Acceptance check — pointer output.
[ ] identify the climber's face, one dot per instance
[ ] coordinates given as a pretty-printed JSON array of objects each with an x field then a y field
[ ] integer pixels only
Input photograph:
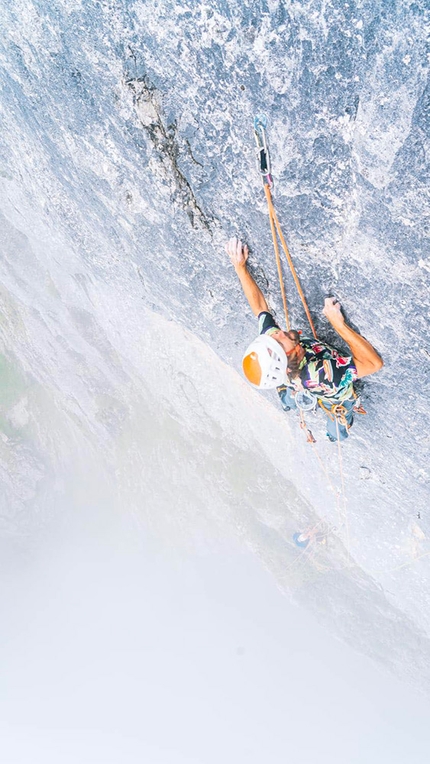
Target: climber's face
[{"x": 284, "y": 340}]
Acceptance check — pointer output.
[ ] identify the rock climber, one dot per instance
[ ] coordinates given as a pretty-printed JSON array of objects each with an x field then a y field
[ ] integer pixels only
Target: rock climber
[{"x": 304, "y": 371}]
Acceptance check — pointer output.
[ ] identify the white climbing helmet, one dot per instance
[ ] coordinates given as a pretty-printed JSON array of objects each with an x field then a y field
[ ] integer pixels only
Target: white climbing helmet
[{"x": 265, "y": 363}]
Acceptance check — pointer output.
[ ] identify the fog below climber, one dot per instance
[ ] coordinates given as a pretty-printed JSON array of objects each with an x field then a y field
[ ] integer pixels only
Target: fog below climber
[{"x": 305, "y": 372}]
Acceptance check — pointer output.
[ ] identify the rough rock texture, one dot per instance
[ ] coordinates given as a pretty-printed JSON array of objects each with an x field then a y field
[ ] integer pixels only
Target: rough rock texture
[{"x": 127, "y": 159}]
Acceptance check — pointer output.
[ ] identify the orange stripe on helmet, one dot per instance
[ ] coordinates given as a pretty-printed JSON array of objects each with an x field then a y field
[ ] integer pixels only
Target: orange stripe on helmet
[{"x": 252, "y": 369}]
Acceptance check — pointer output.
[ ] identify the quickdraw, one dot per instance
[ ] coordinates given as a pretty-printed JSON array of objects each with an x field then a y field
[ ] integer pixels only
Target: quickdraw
[
  {"x": 358, "y": 408},
  {"x": 309, "y": 434},
  {"x": 260, "y": 124}
]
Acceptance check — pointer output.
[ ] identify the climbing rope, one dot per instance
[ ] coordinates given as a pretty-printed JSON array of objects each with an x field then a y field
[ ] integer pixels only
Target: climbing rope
[
  {"x": 276, "y": 228},
  {"x": 278, "y": 264},
  {"x": 337, "y": 412}
]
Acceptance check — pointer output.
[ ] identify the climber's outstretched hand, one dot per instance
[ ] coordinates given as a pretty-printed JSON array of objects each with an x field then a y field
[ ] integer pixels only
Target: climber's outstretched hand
[{"x": 237, "y": 252}]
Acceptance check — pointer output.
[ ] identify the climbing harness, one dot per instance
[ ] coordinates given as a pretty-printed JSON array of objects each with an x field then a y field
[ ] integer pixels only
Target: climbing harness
[{"x": 336, "y": 412}]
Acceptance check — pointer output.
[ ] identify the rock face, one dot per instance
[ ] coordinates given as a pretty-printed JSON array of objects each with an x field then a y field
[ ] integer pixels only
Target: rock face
[{"x": 127, "y": 159}]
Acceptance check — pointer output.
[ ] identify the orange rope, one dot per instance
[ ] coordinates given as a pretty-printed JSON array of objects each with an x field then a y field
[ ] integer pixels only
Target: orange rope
[
  {"x": 274, "y": 222},
  {"x": 275, "y": 227},
  {"x": 278, "y": 263}
]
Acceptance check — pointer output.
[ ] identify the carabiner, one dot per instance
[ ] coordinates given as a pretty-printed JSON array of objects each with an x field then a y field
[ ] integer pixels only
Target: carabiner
[{"x": 260, "y": 123}]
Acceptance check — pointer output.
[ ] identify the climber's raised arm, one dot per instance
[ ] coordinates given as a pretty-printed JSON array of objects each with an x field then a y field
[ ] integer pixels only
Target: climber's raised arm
[
  {"x": 238, "y": 254},
  {"x": 365, "y": 358}
]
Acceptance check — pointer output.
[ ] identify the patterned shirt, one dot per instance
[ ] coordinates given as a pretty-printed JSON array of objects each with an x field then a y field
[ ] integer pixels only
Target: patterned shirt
[{"x": 323, "y": 371}]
